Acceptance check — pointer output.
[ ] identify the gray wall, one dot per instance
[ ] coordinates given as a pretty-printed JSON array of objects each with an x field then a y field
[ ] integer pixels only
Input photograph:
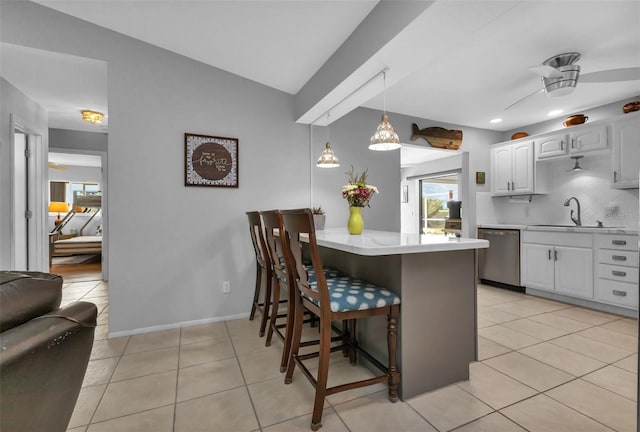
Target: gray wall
[
  {"x": 171, "y": 246},
  {"x": 77, "y": 140}
]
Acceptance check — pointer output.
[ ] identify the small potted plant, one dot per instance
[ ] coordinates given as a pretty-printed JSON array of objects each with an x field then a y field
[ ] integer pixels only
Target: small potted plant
[{"x": 319, "y": 217}]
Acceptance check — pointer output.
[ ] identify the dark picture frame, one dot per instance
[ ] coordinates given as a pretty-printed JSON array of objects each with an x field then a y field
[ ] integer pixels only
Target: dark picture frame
[
  {"x": 480, "y": 177},
  {"x": 210, "y": 161}
]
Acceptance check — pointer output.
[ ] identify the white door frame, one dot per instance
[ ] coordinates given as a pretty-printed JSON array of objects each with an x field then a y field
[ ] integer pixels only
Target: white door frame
[{"x": 38, "y": 197}]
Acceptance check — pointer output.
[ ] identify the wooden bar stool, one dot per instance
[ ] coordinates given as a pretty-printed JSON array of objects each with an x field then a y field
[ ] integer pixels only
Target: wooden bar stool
[
  {"x": 334, "y": 299},
  {"x": 263, "y": 269},
  {"x": 272, "y": 221}
]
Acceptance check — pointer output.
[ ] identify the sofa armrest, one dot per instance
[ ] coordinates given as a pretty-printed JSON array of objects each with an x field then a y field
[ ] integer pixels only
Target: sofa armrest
[{"x": 42, "y": 366}]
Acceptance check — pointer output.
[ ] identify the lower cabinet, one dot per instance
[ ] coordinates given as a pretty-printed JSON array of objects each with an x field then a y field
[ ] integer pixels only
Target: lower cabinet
[
  {"x": 553, "y": 267},
  {"x": 618, "y": 270}
]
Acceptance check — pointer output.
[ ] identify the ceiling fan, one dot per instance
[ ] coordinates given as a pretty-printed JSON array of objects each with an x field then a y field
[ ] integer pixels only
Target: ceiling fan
[{"x": 560, "y": 75}]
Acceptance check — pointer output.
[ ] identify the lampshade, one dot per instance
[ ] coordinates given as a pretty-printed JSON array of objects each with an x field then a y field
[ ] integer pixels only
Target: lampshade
[
  {"x": 327, "y": 159},
  {"x": 58, "y": 207},
  {"x": 92, "y": 117},
  {"x": 385, "y": 137}
]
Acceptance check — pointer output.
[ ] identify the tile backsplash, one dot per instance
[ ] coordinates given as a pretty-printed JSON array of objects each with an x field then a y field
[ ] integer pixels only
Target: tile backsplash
[{"x": 592, "y": 187}]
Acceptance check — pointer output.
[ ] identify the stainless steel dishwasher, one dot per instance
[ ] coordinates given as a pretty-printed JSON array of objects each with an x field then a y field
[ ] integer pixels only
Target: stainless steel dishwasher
[{"x": 499, "y": 264}]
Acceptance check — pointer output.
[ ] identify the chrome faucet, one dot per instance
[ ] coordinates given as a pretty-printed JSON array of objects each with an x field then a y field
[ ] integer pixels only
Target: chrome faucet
[{"x": 575, "y": 220}]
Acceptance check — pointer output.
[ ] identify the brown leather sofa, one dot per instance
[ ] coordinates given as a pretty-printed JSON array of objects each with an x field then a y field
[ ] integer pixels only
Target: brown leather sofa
[{"x": 44, "y": 352}]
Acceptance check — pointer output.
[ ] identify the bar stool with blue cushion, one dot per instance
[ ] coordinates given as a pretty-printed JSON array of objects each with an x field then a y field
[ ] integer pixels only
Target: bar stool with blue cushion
[
  {"x": 272, "y": 221},
  {"x": 334, "y": 299},
  {"x": 263, "y": 270}
]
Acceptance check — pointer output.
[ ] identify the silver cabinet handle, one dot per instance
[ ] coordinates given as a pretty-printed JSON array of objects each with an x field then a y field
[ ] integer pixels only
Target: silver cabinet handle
[
  {"x": 508, "y": 186},
  {"x": 562, "y": 145},
  {"x": 618, "y": 273},
  {"x": 549, "y": 254},
  {"x": 615, "y": 177},
  {"x": 619, "y": 258},
  {"x": 620, "y": 293},
  {"x": 619, "y": 242},
  {"x": 513, "y": 186},
  {"x": 555, "y": 255},
  {"x": 573, "y": 143}
]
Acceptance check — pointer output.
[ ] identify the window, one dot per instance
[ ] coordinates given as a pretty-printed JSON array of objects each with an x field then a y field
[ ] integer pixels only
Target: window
[
  {"x": 434, "y": 194},
  {"x": 63, "y": 191}
]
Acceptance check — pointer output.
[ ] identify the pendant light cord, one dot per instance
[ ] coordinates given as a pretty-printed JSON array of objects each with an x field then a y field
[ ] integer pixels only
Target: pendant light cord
[{"x": 384, "y": 92}]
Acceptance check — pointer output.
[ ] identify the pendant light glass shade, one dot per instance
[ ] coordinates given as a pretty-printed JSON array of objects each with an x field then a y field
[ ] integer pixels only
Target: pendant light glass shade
[
  {"x": 385, "y": 137},
  {"x": 328, "y": 159}
]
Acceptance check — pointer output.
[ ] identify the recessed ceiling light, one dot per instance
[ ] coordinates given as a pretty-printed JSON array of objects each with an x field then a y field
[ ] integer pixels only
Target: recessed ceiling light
[
  {"x": 554, "y": 112},
  {"x": 495, "y": 120}
]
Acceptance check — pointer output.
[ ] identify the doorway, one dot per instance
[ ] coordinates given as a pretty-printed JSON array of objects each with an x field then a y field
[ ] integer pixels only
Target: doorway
[{"x": 435, "y": 192}]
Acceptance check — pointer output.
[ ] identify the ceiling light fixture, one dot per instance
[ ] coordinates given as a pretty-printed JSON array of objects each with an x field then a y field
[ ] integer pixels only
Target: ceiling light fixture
[
  {"x": 92, "y": 117},
  {"x": 554, "y": 113},
  {"x": 385, "y": 138},
  {"x": 328, "y": 158},
  {"x": 495, "y": 120}
]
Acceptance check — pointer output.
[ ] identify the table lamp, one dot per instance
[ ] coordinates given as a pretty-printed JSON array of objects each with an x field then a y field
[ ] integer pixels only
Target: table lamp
[{"x": 58, "y": 207}]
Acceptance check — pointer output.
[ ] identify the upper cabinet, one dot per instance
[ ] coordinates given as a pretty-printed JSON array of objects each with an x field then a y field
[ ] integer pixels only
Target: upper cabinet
[
  {"x": 513, "y": 169},
  {"x": 626, "y": 152},
  {"x": 576, "y": 140}
]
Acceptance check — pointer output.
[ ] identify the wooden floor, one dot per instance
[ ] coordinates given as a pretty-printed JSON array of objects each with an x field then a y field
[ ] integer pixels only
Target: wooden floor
[{"x": 78, "y": 272}]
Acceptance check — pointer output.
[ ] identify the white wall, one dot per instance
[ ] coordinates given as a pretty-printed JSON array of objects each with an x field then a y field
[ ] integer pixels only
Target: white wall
[{"x": 34, "y": 116}]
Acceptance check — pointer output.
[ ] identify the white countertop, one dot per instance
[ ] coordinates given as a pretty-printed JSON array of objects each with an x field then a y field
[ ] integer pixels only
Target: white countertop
[
  {"x": 373, "y": 243},
  {"x": 579, "y": 229}
]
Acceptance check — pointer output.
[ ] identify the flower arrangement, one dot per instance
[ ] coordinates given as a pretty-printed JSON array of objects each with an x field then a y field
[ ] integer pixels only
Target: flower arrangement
[{"x": 357, "y": 192}]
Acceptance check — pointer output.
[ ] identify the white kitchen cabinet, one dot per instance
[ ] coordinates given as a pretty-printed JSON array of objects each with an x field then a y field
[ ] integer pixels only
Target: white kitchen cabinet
[
  {"x": 577, "y": 140},
  {"x": 626, "y": 152},
  {"x": 558, "y": 262},
  {"x": 513, "y": 169},
  {"x": 617, "y": 270}
]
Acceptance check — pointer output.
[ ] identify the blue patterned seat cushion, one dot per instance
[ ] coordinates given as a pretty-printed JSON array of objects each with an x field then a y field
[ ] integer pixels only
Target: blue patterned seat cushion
[
  {"x": 328, "y": 272},
  {"x": 348, "y": 294}
]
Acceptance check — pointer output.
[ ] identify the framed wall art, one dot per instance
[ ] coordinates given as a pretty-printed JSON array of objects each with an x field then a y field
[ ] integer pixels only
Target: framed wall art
[{"x": 210, "y": 161}]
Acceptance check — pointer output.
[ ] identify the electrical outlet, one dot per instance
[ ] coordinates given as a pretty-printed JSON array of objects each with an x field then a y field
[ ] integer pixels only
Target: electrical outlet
[
  {"x": 226, "y": 287},
  {"x": 611, "y": 211}
]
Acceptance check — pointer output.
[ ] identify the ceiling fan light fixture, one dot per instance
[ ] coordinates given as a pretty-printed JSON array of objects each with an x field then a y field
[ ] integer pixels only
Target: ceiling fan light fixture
[
  {"x": 92, "y": 117},
  {"x": 554, "y": 112}
]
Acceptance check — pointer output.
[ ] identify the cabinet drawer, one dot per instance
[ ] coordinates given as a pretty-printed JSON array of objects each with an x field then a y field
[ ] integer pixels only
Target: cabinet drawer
[
  {"x": 619, "y": 293},
  {"x": 558, "y": 238},
  {"x": 618, "y": 257},
  {"x": 617, "y": 241},
  {"x": 618, "y": 273}
]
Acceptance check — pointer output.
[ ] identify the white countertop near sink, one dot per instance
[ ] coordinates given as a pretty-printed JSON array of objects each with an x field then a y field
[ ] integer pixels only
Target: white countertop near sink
[{"x": 604, "y": 230}]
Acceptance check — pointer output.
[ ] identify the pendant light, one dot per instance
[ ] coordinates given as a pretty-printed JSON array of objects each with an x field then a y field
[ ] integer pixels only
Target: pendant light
[
  {"x": 385, "y": 138},
  {"x": 327, "y": 159},
  {"x": 577, "y": 166}
]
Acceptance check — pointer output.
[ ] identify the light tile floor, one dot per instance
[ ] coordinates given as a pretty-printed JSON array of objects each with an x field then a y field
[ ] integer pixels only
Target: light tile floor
[{"x": 544, "y": 366}]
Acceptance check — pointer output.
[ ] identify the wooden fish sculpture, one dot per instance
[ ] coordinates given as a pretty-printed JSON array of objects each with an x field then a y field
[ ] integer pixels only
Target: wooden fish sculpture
[{"x": 438, "y": 137}]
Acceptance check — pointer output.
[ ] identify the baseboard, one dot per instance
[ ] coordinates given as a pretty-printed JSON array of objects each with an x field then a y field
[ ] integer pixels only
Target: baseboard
[{"x": 172, "y": 326}]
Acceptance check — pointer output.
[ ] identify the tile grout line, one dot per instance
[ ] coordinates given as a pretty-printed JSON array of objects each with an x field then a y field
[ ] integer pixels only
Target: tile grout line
[{"x": 244, "y": 378}]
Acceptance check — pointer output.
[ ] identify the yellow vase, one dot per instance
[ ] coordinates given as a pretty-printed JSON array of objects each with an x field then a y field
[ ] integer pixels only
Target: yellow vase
[{"x": 355, "y": 223}]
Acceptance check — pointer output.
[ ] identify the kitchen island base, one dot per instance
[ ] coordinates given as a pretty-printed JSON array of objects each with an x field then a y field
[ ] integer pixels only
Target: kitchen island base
[{"x": 437, "y": 330}]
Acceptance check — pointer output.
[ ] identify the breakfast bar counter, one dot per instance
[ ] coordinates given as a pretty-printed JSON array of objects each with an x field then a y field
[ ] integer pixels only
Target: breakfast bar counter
[{"x": 435, "y": 277}]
